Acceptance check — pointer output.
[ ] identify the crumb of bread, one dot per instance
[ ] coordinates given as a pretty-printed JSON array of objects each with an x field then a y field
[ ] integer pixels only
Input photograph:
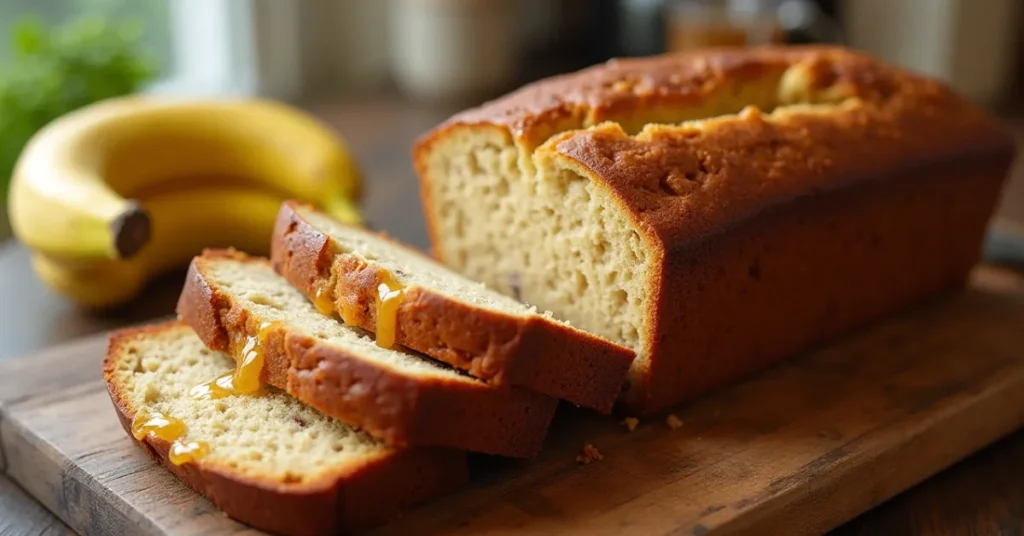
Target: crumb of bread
[
  {"x": 673, "y": 422},
  {"x": 630, "y": 423},
  {"x": 588, "y": 454}
]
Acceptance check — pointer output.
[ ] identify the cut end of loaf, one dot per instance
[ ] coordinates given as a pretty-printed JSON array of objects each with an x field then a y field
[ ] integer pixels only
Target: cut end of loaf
[{"x": 554, "y": 238}]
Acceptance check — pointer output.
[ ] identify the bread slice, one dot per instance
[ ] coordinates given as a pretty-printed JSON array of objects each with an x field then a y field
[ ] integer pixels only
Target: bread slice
[
  {"x": 395, "y": 394},
  {"x": 271, "y": 461},
  {"x": 443, "y": 314}
]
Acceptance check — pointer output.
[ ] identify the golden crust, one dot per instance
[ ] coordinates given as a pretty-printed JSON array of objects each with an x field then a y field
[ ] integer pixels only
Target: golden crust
[
  {"x": 355, "y": 497},
  {"x": 619, "y": 88}
]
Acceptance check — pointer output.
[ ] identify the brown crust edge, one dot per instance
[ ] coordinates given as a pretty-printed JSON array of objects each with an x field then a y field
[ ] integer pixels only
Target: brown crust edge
[
  {"x": 532, "y": 352},
  {"x": 866, "y": 214},
  {"x": 399, "y": 408},
  {"x": 354, "y": 499}
]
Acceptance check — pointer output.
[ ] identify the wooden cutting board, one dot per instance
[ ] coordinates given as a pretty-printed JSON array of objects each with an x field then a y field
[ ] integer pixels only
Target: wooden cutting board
[{"x": 797, "y": 450}]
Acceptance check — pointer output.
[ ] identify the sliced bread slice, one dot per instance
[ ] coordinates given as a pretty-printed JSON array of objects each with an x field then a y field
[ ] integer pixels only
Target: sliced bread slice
[
  {"x": 443, "y": 314},
  {"x": 238, "y": 304},
  {"x": 269, "y": 460}
]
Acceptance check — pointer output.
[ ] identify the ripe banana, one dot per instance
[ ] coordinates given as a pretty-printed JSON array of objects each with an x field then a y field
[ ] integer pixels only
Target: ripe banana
[
  {"x": 183, "y": 224},
  {"x": 75, "y": 190}
]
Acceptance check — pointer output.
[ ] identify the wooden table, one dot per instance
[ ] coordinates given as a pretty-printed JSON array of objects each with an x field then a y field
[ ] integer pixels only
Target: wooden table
[{"x": 981, "y": 495}]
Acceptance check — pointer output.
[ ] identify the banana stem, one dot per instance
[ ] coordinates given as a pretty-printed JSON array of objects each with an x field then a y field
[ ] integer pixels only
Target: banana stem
[{"x": 131, "y": 230}]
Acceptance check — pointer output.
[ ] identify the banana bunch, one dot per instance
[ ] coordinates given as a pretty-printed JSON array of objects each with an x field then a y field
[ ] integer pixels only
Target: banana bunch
[{"x": 119, "y": 192}]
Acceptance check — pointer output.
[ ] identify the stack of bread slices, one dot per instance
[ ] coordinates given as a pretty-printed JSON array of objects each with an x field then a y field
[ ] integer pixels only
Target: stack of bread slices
[{"x": 342, "y": 380}]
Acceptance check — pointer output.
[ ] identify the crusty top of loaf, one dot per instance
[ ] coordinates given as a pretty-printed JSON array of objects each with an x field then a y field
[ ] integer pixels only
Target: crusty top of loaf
[
  {"x": 673, "y": 139},
  {"x": 618, "y": 88}
]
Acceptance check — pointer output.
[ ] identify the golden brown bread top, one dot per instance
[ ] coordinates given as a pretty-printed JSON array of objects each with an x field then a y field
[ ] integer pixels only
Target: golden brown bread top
[
  {"x": 621, "y": 88},
  {"x": 785, "y": 122}
]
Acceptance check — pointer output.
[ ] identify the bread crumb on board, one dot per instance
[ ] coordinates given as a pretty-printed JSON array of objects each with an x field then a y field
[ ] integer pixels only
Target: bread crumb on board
[
  {"x": 630, "y": 423},
  {"x": 588, "y": 454},
  {"x": 673, "y": 422}
]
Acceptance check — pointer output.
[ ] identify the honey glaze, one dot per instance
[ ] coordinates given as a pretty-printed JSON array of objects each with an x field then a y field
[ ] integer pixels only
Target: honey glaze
[
  {"x": 323, "y": 301},
  {"x": 181, "y": 452},
  {"x": 390, "y": 294},
  {"x": 245, "y": 379},
  {"x": 155, "y": 424}
]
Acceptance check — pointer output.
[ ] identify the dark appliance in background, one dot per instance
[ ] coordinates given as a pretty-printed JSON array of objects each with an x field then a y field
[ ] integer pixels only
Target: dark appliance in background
[{"x": 587, "y": 32}]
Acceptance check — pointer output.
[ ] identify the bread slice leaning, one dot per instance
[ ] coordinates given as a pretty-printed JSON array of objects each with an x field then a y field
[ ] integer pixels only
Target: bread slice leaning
[
  {"x": 399, "y": 396},
  {"x": 272, "y": 462},
  {"x": 443, "y": 314}
]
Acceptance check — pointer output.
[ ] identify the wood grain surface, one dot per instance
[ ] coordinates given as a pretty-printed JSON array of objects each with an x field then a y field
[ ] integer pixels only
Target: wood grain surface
[
  {"x": 798, "y": 450},
  {"x": 982, "y": 495},
  {"x": 21, "y": 515}
]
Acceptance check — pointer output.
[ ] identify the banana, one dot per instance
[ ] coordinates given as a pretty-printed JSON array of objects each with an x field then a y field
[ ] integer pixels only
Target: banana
[
  {"x": 183, "y": 224},
  {"x": 75, "y": 190}
]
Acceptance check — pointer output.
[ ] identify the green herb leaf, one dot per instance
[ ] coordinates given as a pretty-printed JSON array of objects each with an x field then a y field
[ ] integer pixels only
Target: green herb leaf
[
  {"x": 59, "y": 70},
  {"x": 28, "y": 36}
]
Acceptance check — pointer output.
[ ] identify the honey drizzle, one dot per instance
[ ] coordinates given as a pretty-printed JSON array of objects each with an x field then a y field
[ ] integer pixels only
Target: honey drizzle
[
  {"x": 245, "y": 379},
  {"x": 181, "y": 452},
  {"x": 155, "y": 424},
  {"x": 323, "y": 301},
  {"x": 390, "y": 294}
]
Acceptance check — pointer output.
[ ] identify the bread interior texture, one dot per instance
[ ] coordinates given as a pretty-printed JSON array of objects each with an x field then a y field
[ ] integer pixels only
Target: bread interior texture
[
  {"x": 533, "y": 227},
  {"x": 271, "y": 438},
  {"x": 268, "y": 296},
  {"x": 409, "y": 267}
]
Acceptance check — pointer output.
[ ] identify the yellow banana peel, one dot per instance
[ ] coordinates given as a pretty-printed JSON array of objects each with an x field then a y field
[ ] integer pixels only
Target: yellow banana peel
[
  {"x": 75, "y": 192},
  {"x": 183, "y": 224}
]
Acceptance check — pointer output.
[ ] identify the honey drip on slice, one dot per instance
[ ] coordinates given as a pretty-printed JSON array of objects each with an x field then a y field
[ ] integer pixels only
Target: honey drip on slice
[
  {"x": 323, "y": 302},
  {"x": 390, "y": 294},
  {"x": 181, "y": 452},
  {"x": 245, "y": 379},
  {"x": 155, "y": 424},
  {"x": 220, "y": 387}
]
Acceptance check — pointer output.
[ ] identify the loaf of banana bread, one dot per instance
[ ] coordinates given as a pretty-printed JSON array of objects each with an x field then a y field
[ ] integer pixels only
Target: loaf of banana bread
[{"x": 719, "y": 210}]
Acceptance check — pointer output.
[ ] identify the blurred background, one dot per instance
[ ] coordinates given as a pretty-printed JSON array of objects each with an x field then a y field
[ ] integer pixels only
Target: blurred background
[
  {"x": 415, "y": 61},
  {"x": 382, "y": 72},
  {"x": 298, "y": 49},
  {"x": 438, "y": 56}
]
